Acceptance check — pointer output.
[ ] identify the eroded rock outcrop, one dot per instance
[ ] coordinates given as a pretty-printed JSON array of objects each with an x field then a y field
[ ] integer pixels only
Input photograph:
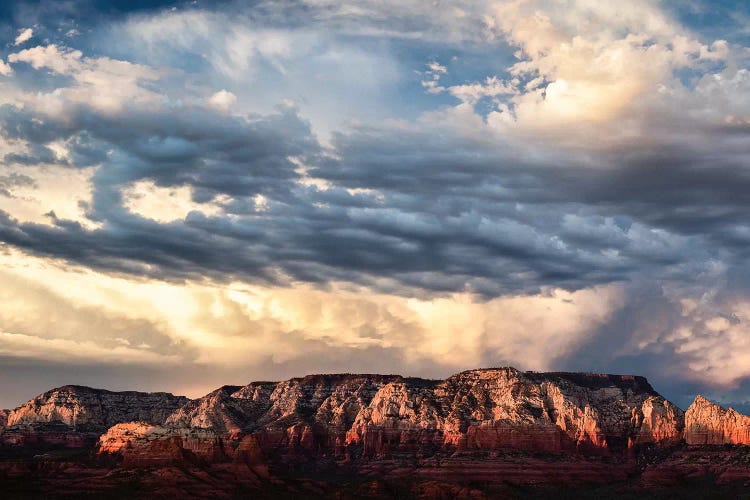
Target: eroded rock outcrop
[
  {"x": 707, "y": 423},
  {"x": 386, "y": 435},
  {"x": 77, "y": 406},
  {"x": 74, "y": 415},
  {"x": 363, "y": 417}
]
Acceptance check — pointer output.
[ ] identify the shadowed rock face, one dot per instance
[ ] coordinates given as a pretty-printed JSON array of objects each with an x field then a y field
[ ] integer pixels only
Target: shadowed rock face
[
  {"x": 707, "y": 423},
  {"x": 370, "y": 416}
]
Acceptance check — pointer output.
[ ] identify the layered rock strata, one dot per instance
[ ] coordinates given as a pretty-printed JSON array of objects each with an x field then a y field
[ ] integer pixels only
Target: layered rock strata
[
  {"x": 83, "y": 406},
  {"x": 707, "y": 423},
  {"x": 362, "y": 417},
  {"x": 309, "y": 436},
  {"x": 73, "y": 415}
]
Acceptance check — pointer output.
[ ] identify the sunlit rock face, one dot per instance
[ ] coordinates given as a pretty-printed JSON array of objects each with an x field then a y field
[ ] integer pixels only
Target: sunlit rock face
[
  {"x": 142, "y": 444},
  {"x": 492, "y": 427},
  {"x": 74, "y": 415},
  {"x": 360, "y": 417},
  {"x": 507, "y": 409},
  {"x": 78, "y": 406},
  {"x": 709, "y": 423}
]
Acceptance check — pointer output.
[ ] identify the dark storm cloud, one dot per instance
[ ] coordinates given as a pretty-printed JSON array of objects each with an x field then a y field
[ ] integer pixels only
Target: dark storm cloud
[
  {"x": 666, "y": 185},
  {"x": 429, "y": 209},
  {"x": 611, "y": 348},
  {"x": 31, "y": 11},
  {"x": 215, "y": 154}
]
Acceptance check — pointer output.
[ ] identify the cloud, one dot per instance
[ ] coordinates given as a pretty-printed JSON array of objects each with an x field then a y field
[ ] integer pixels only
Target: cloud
[
  {"x": 265, "y": 57},
  {"x": 58, "y": 314},
  {"x": 231, "y": 48},
  {"x": 376, "y": 220},
  {"x": 604, "y": 69},
  {"x": 38, "y": 323},
  {"x": 105, "y": 84},
  {"x": 164, "y": 204},
  {"x": 8, "y": 183},
  {"x": 33, "y": 193},
  {"x": 473, "y": 92},
  {"x": 62, "y": 61},
  {"x": 564, "y": 184},
  {"x": 686, "y": 338},
  {"x": 23, "y": 36},
  {"x": 222, "y": 100}
]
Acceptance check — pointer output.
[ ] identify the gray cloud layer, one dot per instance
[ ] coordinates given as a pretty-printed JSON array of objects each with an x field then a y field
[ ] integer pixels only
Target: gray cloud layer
[{"x": 442, "y": 213}]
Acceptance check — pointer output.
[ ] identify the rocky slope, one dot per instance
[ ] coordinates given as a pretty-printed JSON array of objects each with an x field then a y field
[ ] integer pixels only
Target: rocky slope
[{"x": 707, "y": 423}]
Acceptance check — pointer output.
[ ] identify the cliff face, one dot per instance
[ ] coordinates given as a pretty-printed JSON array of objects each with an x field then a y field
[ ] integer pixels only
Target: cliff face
[
  {"x": 72, "y": 415},
  {"x": 371, "y": 416},
  {"x": 492, "y": 427},
  {"x": 96, "y": 408},
  {"x": 707, "y": 423}
]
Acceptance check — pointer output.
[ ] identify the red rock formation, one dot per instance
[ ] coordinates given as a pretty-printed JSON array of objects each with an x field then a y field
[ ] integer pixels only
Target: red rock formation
[
  {"x": 508, "y": 409},
  {"x": 375, "y": 416},
  {"x": 78, "y": 406},
  {"x": 707, "y": 423},
  {"x": 75, "y": 416},
  {"x": 386, "y": 435},
  {"x": 143, "y": 444}
]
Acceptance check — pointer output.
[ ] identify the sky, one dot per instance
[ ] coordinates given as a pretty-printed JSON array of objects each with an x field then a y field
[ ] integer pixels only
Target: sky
[{"x": 201, "y": 193}]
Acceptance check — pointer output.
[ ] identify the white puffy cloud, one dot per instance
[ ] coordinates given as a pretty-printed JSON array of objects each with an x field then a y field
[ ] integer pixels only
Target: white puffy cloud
[
  {"x": 59, "y": 60},
  {"x": 5, "y": 68},
  {"x": 105, "y": 84},
  {"x": 473, "y": 92},
  {"x": 587, "y": 75},
  {"x": 23, "y": 36},
  {"x": 607, "y": 69}
]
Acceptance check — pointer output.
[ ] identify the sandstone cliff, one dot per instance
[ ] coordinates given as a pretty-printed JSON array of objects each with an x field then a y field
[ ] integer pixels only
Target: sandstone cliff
[
  {"x": 707, "y": 423},
  {"x": 504, "y": 432},
  {"x": 72, "y": 415},
  {"x": 350, "y": 417},
  {"x": 84, "y": 406}
]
